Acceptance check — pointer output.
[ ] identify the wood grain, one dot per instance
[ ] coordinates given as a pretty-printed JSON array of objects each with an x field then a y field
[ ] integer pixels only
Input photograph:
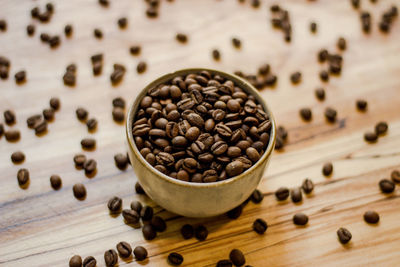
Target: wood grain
[{"x": 42, "y": 227}]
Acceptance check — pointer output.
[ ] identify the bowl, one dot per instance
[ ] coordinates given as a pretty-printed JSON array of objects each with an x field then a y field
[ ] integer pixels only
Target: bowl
[{"x": 197, "y": 199}]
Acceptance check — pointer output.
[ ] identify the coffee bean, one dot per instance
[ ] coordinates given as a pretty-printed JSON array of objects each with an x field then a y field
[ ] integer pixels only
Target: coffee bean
[
  {"x": 32, "y": 120},
  {"x": 118, "y": 74},
  {"x": 146, "y": 213},
  {"x": 23, "y": 176},
  {"x": 253, "y": 154},
  {"x": 260, "y": 226},
  {"x": 361, "y": 104},
  {"x": 344, "y": 235},
  {"x": 327, "y": 169},
  {"x": 139, "y": 189},
  {"x": 386, "y": 186},
  {"x": 181, "y": 37},
  {"x": 12, "y": 135},
  {"x": 175, "y": 259},
  {"x": 124, "y": 249},
  {"x": 90, "y": 166},
  {"x": 282, "y": 193},
  {"x": 91, "y": 124},
  {"x": 370, "y": 137},
  {"x": 355, "y": 3},
  {"x": 140, "y": 253},
  {"x": 187, "y": 231},
  {"x": 89, "y": 262},
  {"x": 341, "y": 43},
  {"x": 330, "y": 114},
  {"x": 313, "y": 27},
  {"x": 98, "y": 33},
  {"x": 216, "y": 54},
  {"x": 324, "y": 76},
  {"x": 296, "y": 195},
  {"x": 307, "y": 186},
  {"x": 300, "y": 219},
  {"x": 40, "y": 127},
  {"x": 55, "y": 103},
  {"x": 48, "y": 114},
  {"x": 55, "y": 181},
  {"x": 395, "y": 175},
  {"x": 130, "y": 216},
  {"x": 110, "y": 257},
  {"x": 236, "y": 42},
  {"x": 306, "y": 114},
  {"x": 224, "y": 263},
  {"x": 366, "y": 21},
  {"x": 237, "y": 257},
  {"x": 121, "y": 161},
  {"x": 234, "y": 168},
  {"x": 371, "y": 217},
  {"x": 88, "y": 143},
  {"x": 104, "y": 3},
  {"x": 141, "y": 67},
  {"x": 30, "y": 30},
  {"x": 114, "y": 204},
  {"x": 68, "y": 30},
  {"x": 75, "y": 261},
  {"x": 320, "y": 94},
  {"x": 295, "y": 77},
  {"x": 69, "y": 78},
  {"x": 118, "y": 102},
  {"x": 158, "y": 223},
  {"x": 149, "y": 233},
  {"x": 201, "y": 233},
  {"x": 54, "y": 41},
  {"x": 381, "y": 128},
  {"x": 257, "y": 196},
  {"x": 9, "y": 117},
  {"x": 135, "y": 50},
  {"x": 79, "y": 160},
  {"x": 136, "y": 206},
  {"x": 122, "y": 23},
  {"x": 17, "y": 157},
  {"x": 79, "y": 191},
  {"x": 81, "y": 114}
]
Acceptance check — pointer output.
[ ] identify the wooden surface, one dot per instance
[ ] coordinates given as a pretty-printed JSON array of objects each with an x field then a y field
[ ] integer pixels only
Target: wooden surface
[{"x": 43, "y": 227}]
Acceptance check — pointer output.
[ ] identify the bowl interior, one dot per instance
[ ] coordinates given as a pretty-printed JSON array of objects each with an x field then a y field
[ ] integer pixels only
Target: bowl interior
[{"x": 240, "y": 83}]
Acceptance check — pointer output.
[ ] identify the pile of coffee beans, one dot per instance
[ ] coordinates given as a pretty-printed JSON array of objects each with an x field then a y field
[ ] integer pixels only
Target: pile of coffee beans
[{"x": 200, "y": 128}]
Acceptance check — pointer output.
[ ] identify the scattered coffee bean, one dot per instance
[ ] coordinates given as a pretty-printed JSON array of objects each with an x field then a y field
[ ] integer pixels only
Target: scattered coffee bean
[
  {"x": 370, "y": 137},
  {"x": 307, "y": 186},
  {"x": 122, "y": 23},
  {"x": 366, "y": 21},
  {"x": 187, "y": 231},
  {"x": 121, "y": 161},
  {"x": 88, "y": 143},
  {"x": 327, "y": 169},
  {"x": 224, "y": 263},
  {"x": 23, "y": 176},
  {"x": 300, "y": 219},
  {"x": 91, "y": 124},
  {"x": 114, "y": 204},
  {"x": 55, "y": 181},
  {"x": 236, "y": 42},
  {"x": 282, "y": 193},
  {"x": 323, "y": 55},
  {"x": 313, "y": 27},
  {"x": 30, "y": 30},
  {"x": 136, "y": 206},
  {"x": 158, "y": 223},
  {"x": 175, "y": 259},
  {"x": 257, "y": 196},
  {"x": 141, "y": 67},
  {"x": 68, "y": 30},
  {"x": 118, "y": 102},
  {"x": 54, "y": 41},
  {"x": 386, "y": 186},
  {"x": 140, "y": 253},
  {"x": 118, "y": 114},
  {"x": 371, "y": 217},
  {"x": 139, "y": 189},
  {"x": 20, "y": 76},
  {"x": 216, "y": 54},
  {"x": 130, "y": 216},
  {"x": 235, "y": 212},
  {"x": 104, "y": 3},
  {"x": 296, "y": 195},
  {"x": 81, "y": 114},
  {"x": 32, "y": 120},
  {"x": 201, "y": 233},
  {"x": 3, "y": 25},
  {"x": 320, "y": 94},
  {"x": 149, "y": 233},
  {"x": 330, "y": 114},
  {"x": 295, "y": 77},
  {"x": 89, "y": 262},
  {"x": 306, "y": 114},
  {"x": 152, "y": 12},
  {"x": 17, "y": 157},
  {"x": 135, "y": 50},
  {"x": 395, "y": 175},
  {"x": 90, "y": 166},
  {"x": 361, "y": 104},
  {"x": 381, "y": 128},
  {"x": 75, "y": 261},
  {"x": 79, "y": 160},
  {"x": 98, "y": 33},
  {"x": 40, "y": 127},
  {"x": 146, "y": 213},
  {"x": 344, "y": 235},
  {"x": 12, "y": 135},
  {"x": 341, "y": 43},
  {"x": 237, "y": 257},
  {"x": 355, "y": 3},
  {"x": 260, "y": 226},
  {"x": 181, "y": 37},
  {"x": 324, "y": 76},
  {"x": 55, "y": 103},
  {"x": 9, "y": 117},
  {"x": 124, "y": 249},
  {"x": 255, "y": 3},
  {"x": 79, "y": 191},
  {"x": 48, "y": 114},
  {"x": 111, "y": 258}
]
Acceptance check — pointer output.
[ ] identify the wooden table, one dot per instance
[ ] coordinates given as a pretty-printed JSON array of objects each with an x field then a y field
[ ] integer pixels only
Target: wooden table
[{"x": 43, "y": 227}]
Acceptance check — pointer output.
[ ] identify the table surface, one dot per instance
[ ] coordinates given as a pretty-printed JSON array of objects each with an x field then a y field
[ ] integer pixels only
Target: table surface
[{"x": 43, "y": 227}]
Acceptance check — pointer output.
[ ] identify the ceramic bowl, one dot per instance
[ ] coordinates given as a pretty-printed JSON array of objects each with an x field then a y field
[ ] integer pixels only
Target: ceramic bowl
[{"x": 197, "y": 199}]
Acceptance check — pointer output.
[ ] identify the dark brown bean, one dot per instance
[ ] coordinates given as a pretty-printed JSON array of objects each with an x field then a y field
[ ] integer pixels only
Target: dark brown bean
[
  {"x": 237, "y": 257},
  {"x": 23, "y": 176},
  {"x": 386, "y": 186},
  {"x": 17, "y": 157},
  {"x": 381, "y": 128},
  {"x": 110, "y": 258},
  {"x": 296, "y": 195},
  {"x": 175, "y": 259},
  {"x": 371, "y": 217},
  {"x": 344, "y": 235},
  {"x": 79, "y": 191},
  {"x": 282, "y": 193},
  {"x": 114, "y": 204},
  {"x": 307, "y": 186},
  {"x": 55, "y": 181},
  {"x": 130, "y": 216},
  {"x": 124, "y": 249},
  {"x": 327, "y": 169},
  {"x": 260, "y": 226},
  {"x": 148, "y": 231},
  {"x": 300, "y": 219},
  {"x": 75, "y": 261},
  {"x": 88, "y": 143},
  {"x": 395, "y": 175},
  {"x": 140, "y": 253},
  {"x": 201, "y": 233}
]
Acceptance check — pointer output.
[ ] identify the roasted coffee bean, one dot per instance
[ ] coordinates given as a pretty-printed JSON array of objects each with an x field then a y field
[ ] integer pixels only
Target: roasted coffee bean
[
  {"x": 341, "y": 43},
  {"x": 236, "y": 42},
  {"x": 330, "y": 114},
  {"x": 124, "y": 249},
  {"x": 381, "y": 128},
  {"x": 130, "y": 216},
  {"x": 9, "y": 117},
  {"x": 136, "y": 206},
  {"x": 12, "y": 135},
  {"x": 296, "y": 195},
  {"x": 371, "y": 217},
  {"x": 146, "y": 213},
  {"x": 307, "y": 186},
  {"x": 48, "y": 114},
  {"x": 69, "y": 78},
  {"x": 370, "y": 137},
  {"x": 135, "y": 50},
  {"x": 361, "y": 104},
  {"x": 306, "y": 114},
  {"x": 79, "y": 160},
  {"x": 32, "y": 120},
  {"x": 89, "y": 262},
  {"x": 118, "y": 102},
  {"x": 54, "y": 41},
  {"x": 30, "y": 30},
  {"x": 395, "y": 175},
  {"x": 320, "y": 94},
  {"x": 20, "y": 76},
  {"x": 300, "y": 219},
  {"x": 111, "y": 258},
  {"x": 88, "y": 143},
  {"x": 344, "y": 235},
  {"x": 253, "y": 154},
  {"x": 81, "y": 114},
  {"x": 118, "y": 74},
  {"x": 234, "y": 168},
  {"x": 104, "y": 3},
  {"x": 139, "y": 189},
  {"x": 295, "y": 77},
  {"x": 187, "y": 231},
  {"x": 181, "y": 37},
  {"x": 201, "y": 233},
  {"x": 23, "y": 176},
  {"x": 90, "y": 166},
  {"x": 55, "y": 103},
  {"x": 313, "y": 27},
  {"x": 327, "y": 169},
  {"x": 282, "y": 193},
  {"x": 140, "y": 253},
  {"x": 55, "y": 181},
  {"x": 141, "y": 67},
  {"x": 75, "y": 261},
  {"x": 98, "y": 33},
  {"x": 40, "y": 127},
  {"x": 118, "y": 114},
  {"x": 235, "y": 212},
  {"x": 68, "y": 30},
  {"x": 17, "y": 157},
  {"x": 260, "y": 226},
  {"x": 121, "y": 161},
  {"x": 237, "y": 257},
  {"x": 114, "y": 204},
  {"x": 386, "y": 186},
  {"x": 91, "y": 124},
  {"x": 122, "y": 22},
  {"x": 148, "y": 231},
  {"x": 175, "y": 259},
  {"x": 355, "y": 3},
  {"x": 79, "y": 191},
  {"x": 224, "y": 263},
  {"x": 216, "y": 54},
  {"x": 257, "y": 196},
  {"x": 158, "y": 223},
  {"x": 324, "y": 76}
]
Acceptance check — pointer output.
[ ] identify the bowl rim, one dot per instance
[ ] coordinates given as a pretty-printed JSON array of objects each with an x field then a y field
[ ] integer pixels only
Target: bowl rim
[{"x": 240, "y": 82}]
